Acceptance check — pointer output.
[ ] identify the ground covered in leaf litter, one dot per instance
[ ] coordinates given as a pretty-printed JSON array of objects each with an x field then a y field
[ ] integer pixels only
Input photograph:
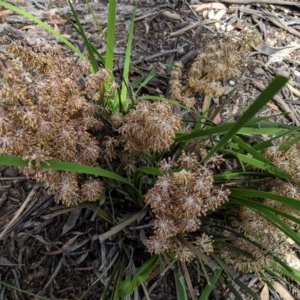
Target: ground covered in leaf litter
[{"x": 55, "y": 251}]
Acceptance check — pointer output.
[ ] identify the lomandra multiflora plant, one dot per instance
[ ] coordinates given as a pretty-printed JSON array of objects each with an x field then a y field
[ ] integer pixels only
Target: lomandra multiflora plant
[{"x": 48, "y": 112}]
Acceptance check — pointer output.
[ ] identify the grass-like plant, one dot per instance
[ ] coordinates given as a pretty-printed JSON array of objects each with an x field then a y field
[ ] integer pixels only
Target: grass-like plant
[{"x": 182, "y": 191}]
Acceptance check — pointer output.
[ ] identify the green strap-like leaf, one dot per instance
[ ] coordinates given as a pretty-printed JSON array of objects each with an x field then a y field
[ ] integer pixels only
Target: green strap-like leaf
[
  {"x": 248, "y": 193},
  {"x": 14, "y": 287},
  {"x": 209, "y": 287},
  {"x": 128, "y": 286},
  {"x": 110, "y": 38},
  {"x": 272, "y": 89},
  {"x": 268, "y": 213},
  {"x": 87, "y": 43},
  {"x": 16, "y": 161},
  {"x": 261, "y": 165},
  {"x": 259, "y": 206},
  {"x": 180, "y": 285},
  {"x": 125, "y": 79}
]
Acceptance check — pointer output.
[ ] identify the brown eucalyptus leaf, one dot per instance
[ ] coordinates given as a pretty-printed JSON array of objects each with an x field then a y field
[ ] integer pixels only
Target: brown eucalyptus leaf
[
  {"x": 282, "y": 291},
  {"x": 4, "y": 15},
  {"x": 207, "y": 6},
  {"x": 264, "y": 294},
  {"x": 5, "y": 262},
  {"x": 72, "y": 220},
  {"x": 276, "y": 54},
  {"x": 171, "y": 15}
]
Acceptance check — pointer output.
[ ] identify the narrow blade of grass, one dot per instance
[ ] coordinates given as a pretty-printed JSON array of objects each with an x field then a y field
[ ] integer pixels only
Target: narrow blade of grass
[
  {"x": 249, "y": 149},
  {"x": 287, "y": 270},
  {"x": 111, "y": 32},
  {"x": 260, "y": 206},
  {"x": 141, "y": 83},
  {"x": 248, "y": 193},
  {"x": 246, "y": 131},
  {"x": 268, "y": 213},
  {"x": 114, "y": 279},
  {"x": 122, "y": 224},
  {"x": 87, "y": 43},
  {"x": 261, "y": 165},
  {"x": 234, "y": 281},
  {"x": 125, "y": 82},
  {"x": 268, "y": 143},
  {"x": 13, "y": 287},
  {"x": 180, "y": 285},
  {"x": 16, "y": 161},
  {"x": 239, "y": 176},
  {"x": 210, "y": 286},
  {"x": 289, "y": 143},
  {"x": 148, "y": 170},
  {"x": 128, "y": 286}
]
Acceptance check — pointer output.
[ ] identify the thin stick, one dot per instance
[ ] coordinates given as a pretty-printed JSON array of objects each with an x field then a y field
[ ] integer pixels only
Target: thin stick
[
  {"x": 23, "y": 207},
  {"x": 280, "y": 102},
  {"x": 278, "y": 2}
]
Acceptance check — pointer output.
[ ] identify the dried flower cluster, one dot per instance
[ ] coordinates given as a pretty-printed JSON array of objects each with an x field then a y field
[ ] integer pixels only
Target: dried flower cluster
[
  {"x": 178, "y": 91},
  {"x": 264, "y": 242},
  {"x": 217, "y": 61},
  {"x": 257, "y": 229},
  {"x": 289, "y": 161},
  {"x": 149, "y": 127},
  {"x": 46, "y": 114},
  {"x": 184, "y": 192}
]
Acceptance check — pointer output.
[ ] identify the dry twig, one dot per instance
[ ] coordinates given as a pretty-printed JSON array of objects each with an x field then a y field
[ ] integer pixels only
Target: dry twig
[
  {"x": 289, "y": 29},
  {"x": 280, "y": 102},
  {"x": 271, "y": 17},
  {"x": 191, "y": 26},
  {"x": 27, "y": 204},
  {"x": 274, "y": 2}
]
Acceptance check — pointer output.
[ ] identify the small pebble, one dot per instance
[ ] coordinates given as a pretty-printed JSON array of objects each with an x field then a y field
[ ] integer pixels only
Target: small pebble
[{"x": 259, "y": 71}]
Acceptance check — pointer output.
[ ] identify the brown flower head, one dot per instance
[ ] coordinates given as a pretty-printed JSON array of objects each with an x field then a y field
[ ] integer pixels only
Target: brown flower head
[
  {"x": 149, "y": 127},
  {"x": 179, "y": 197}
]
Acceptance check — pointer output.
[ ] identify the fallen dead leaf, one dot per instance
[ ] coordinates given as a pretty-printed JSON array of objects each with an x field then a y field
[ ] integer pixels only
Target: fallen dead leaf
[
  {"x": 28, "y": 27},
  {"x": 171, "y": 15},
  {"x": 4, "y": 15},
  {"x": 292, "y": 260},
  {"x": 71, "y": 221},
  {"x": 54, "y": 18},
  {"x": 276, "y": 54},
  {"x": 205, "y": 13},
  {"x": 273, "y": 106},
  {"x": 240, "y": 25},
  {"x": 219, "y": 14},
  {"x": 211, "y": 14},
  {"x": 293, "y": 90},
  {"x": 5, "y": 262},
  {"x": 229, "y": 28},
  {"x": 282, "y": 291},
  {"x": 210, "y": 6},
  {"x": 264, "y": 294},
  {"x": 214, "y": 15}
]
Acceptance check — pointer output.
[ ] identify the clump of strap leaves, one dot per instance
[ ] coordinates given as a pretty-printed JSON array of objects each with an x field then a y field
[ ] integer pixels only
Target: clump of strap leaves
[{"x": 53, "y": 113}]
